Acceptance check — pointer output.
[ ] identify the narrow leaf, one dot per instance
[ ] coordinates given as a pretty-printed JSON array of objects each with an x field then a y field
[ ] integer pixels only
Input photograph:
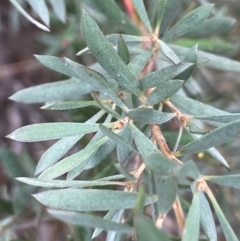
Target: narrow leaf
[
  {"x": 89, "y": 220},
  {"x": 170, "y": 13},
  {"x": 65, "y": 184},
  {"x": 59, "y": 90},
  {"x": 167, "y": 191},
  {"x": 68, "y": 105},
  {"x": 59, "y": 9},
  {"x": 219, "y": 118},
  {"x": 51, "y": 131},
  {"x": 141, "y": 11},
  {"x": 71, "y": 68},
  {"x": 227, "y": 229},
  {"x": 189, "y": 22},
  {"x": 164, "y": 91},
  {"x": 61, "y": 147},
  {"x": 123, "y": 50},
  {"x": 153, "y": 158},
  {"x": 72, "y": 161},
  {"x": 161, "y": 76},
  {"x": 191, "y": 229},
  {"x": 227, "y": 180},
  {"x": 107, "y": 56},
  {"x": 25, "y": 14},
  {"x": 89, "y": 199},
  {"x": 149, "y": 116},
  {"x": 41, "y": 9},
  {"x": 168, "y": 52},
  {"x": 216, "y": 137},
  {"x": 206, "y": 219}
]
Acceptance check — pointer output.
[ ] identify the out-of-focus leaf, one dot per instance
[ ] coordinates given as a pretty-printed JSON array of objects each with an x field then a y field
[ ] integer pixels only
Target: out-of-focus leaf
[
  {"x": 71, "y": 68},
  {"x": 139, "y": 62},
  {"x": 168, "y": 52},
  {"x": 149, "y": 116},
  {"x": 164, "y": 91},
  {"x": 227, "y": 229},
  {"x": 190, "y": 57},
  {"x": 216, "y": 137},
  {"x": 146, "y": 230},
  {"x": 124, "y": 172},
  {"x": 206, "y": 219},
  {"x": 141, "y": 11},
  {"x": 62, "y": 146},
  {"x": 59, "y": 90},
  {"x": 167, "y": 191},
  {"x": 195, "y": 107},
  {"x": 187, "y": 173},
  {"x": 123, "y": 50},
  {"x": 191, "y": 229},
  {"x": 219, "y": 25},
  {"x": 11, "y": 163},
  {"x": 51, "y": 131},
  {"x": 89, "y": 220},
  {"x": 107, "y": 56},
  {"x": 213, "y": 61},
  {"x": 116, "y": 16},
  {"x": 161, "y": 6},
  {"x": 89, "y": 199},
  {"x": 59, "y": 9},
  {"x": 160, "y": 76},
  {"x": 72, "y": 161},
  {"x": 227, "y": 180},
  {"x": 219, "y": 118},
  {"x": 63, "y": 183},
  {"x": 169, "y": 14},
  {"x": 41, "y": 9},
  {"x": 153, "y": 158},
  {"x": 25, "y": 14},
  {"x": 68, "y": 105},
  {"x": 189, "y": 22}
]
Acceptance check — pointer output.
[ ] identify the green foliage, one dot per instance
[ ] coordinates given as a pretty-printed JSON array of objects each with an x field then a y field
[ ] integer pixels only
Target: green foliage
[{"x": 133, "y": 78}]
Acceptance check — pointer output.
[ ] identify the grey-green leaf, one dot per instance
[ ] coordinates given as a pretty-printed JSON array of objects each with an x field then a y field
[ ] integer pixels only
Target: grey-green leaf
[
  {"x": 107, "y": 56},
  {"x": 153, "y": 158},
  {"x": 41, "y": 9},
  {"x": 51, "y": 131},
  {"x": 219, "y": 118},
  {"x": 226, "y": 227},
  {"x": 68, "y": 105},
  {"x": 62, "y": 146},
  {"x": 64, "y": 184},
  {"x": 72, "y": 161},
  {"x": 141, "y": 11},
  {"x": 168, "y": 52},
  {"x": 219, "y": 25},
  {"x": 146, "y": 230},
  {"x": 227, "y": 180},
  {"x": 189, "y": 22},
  {"x": 123, "y": 51},
  {"x": 216, "y": 137},
  {"x": 167, "y": 191},
  {"x": 89, "y": 199},
  {"x": 149, "y": 116},
  {"x": 71, "y": 68},
  {"x": 164, "y": 91},
  {"x": 89, "y": 220},
  {"x": 170, "y": 13},
  {"x": 206, "y": 218},
  {"x": 160, "y": 76},
  {"x": 59, "y": 9},
  {"x": 191, "y": 229},
  {"x": 56, "y": 91}
]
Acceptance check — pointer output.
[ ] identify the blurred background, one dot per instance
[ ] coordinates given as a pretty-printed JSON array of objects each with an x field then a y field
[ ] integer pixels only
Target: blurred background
[{"x": 21, "y": 217}]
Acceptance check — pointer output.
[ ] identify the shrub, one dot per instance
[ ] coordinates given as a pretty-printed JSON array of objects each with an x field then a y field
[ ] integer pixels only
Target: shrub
[{"x": 138, "y": 83}]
